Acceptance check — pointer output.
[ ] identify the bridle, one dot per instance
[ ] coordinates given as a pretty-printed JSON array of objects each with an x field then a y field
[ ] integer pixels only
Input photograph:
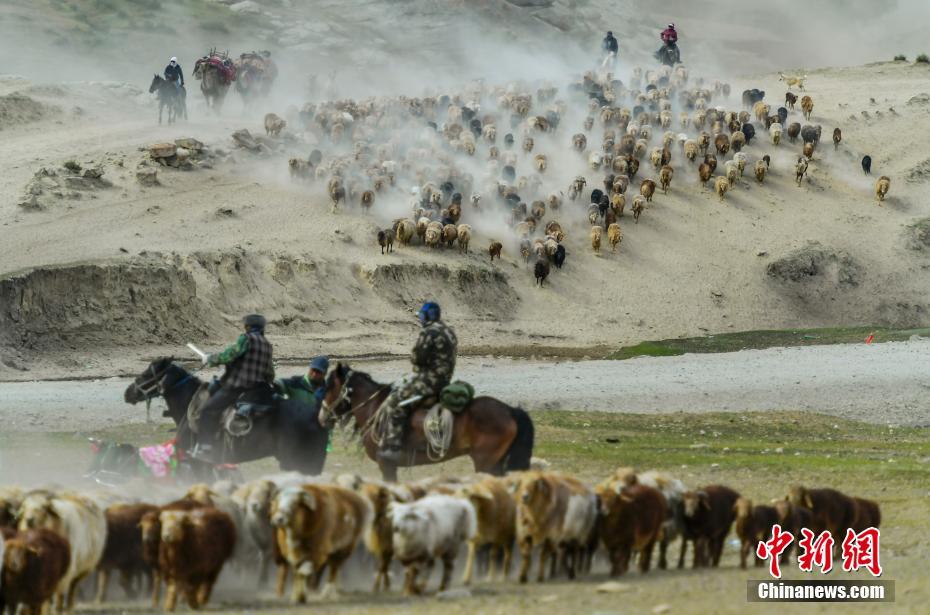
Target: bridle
[
  {"x": 155, "y": 386},
  {"x": 345, "y": 394}
]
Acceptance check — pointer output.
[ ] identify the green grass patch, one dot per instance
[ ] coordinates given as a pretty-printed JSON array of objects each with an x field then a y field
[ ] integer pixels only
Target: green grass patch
[
  {"x": 745, "y": 340},
  {"x": 922, "y": 59},
  {"x": 900, "y": 58}
]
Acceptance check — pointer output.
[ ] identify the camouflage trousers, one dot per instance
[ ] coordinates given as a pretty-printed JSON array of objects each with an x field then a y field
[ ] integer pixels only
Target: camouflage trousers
[{"x": 393, "y": 435}]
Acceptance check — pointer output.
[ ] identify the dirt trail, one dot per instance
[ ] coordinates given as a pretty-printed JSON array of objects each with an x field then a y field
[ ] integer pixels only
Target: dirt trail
[{"x": 881, "y": 383}]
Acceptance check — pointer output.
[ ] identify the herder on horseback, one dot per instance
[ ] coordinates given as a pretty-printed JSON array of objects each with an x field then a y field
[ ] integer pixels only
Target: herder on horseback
[{"x": 433, "y": 359}]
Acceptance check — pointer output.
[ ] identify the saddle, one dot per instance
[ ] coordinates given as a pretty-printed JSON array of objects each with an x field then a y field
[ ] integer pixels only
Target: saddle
[{"x": 254, "y": 404}]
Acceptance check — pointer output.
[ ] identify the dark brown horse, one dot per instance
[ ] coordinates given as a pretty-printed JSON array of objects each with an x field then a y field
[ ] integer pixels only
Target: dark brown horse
[
  {"x": 292, "y": 434},
  {"x": 497, "y": 437}
]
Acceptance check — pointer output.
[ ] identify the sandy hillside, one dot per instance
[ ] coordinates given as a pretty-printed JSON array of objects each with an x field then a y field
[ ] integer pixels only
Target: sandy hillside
[{"x": 133, "y": 271}]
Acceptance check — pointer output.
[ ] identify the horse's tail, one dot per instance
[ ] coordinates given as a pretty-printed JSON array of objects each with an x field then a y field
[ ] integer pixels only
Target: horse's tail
[{"x": 521, "y": 449}]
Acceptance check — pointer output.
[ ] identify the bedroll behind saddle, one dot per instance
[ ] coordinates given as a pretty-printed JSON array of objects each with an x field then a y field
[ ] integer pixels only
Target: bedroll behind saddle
[{"x": 456, "y": 396}]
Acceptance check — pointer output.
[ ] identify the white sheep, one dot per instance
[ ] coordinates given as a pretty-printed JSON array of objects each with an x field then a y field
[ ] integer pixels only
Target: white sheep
[
  {"x": 435, "y": 526},
  {"x": 775, "y": 130}
]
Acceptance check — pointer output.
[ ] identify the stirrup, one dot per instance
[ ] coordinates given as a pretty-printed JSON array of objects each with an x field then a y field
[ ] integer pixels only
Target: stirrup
[{"x": 390, "y": 453}]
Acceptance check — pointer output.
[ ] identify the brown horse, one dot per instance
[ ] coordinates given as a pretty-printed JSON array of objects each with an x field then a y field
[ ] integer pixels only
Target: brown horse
[{"x": 497, "y": 437}]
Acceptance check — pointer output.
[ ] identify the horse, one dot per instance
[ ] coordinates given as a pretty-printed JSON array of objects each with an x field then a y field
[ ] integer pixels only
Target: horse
[
  {"x": 294, "y": 436},
  {"x": 497, "y": 437},
  {"x": 213, "y": 84},
  {"x": 171, "y": 96}
]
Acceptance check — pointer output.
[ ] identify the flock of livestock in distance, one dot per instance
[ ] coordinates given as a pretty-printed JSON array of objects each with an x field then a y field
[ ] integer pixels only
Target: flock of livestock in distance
[
  {"x": 308, "y": 528},
  {"x": 508, "y": 157}
]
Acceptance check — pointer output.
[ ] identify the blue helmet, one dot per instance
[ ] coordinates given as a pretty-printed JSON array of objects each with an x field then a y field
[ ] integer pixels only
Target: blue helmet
[{"x": 429, "y": 312}]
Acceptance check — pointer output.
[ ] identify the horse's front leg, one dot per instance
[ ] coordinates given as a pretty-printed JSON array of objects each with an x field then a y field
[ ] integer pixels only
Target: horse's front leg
[
  {"x": 388, "y": 472},
  {"x": 161, "y": 107}
]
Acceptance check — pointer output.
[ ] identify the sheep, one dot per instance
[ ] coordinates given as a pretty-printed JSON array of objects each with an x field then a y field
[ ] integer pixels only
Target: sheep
[
  {"x": 300, "y": 169},
  {"x": 433, "y": 237},
  {"x": 740, "y": 159},
  {"x": 808, "y": 151},
  {"x": 10, "y": 500},
  {"x": 538, "y": 210},
  {"x": 655, "y": 157},
  {"x": 704, "y": 174},
  {"x": 554, "y": 201},
  {"x": 528, "y": 144},
  {"x": 541, "y": 270},
  {"x": 639, "y": 150},
  {"x": 665, "y": 178},
  {"x": 753, "y": 524},
  {"x": 794, "y": 129},
  {"x": 404, "y": 230},
  {"x": 721, "y": 185},
  {"x": 837, "y": 137},
  {"x": 525, "y": 249},
  {"x": 464, "y": 237},
  {"x": 767, "y": 160},
  {"x": 867, "y": 164},
  {"x": 540, "y": 162},
  {"x": 614, "y": 236},
  {"x": 337, "y": 192},
  {"x": 722, "y": 144},
  {"x": 790, "y": 99},
  {"x": 761, "y": 111},
  {"x": 577, "y": 185},
  {"x": 760, "y": 171},
  {"x": 737, "y": 141},
  {"x": 594, "y": 160},
  {"x": 422, "y": 224},
  {"x": 194, "y": 546},
  {"x": 274, "y": 125},
  {"x": 881, "y": 187},
  {"x": 77, "y": 519},
  {"x": 386, "y": 240},
  {"x": 639, "y": 204},
  {"x": 317, "y": 527},
  {"x": 434, "y": 526},
  {"x": 32, "y": 565},
  {"x": 621, "y": 182},
  {"x": 596, "y": 232},
  {"x": 691, "y": 150},
  {"x": 368, "y": 199},
  {"x": 775, "y": 131},
  {"x": 554, "y": 511},
  {"x": 807, "y": 107},
  {"x": 123, "y": 547},
  {"x": 449, "y": 235},
  {"x": 495, "y": 250},
  {"x": 379, "y": 535},
  {"x": 617, "y": 204},
  {"x": 554, "y": 229},
  {"x": 831, "y": 510},
  {"x": 647, "y": 188},
  {"x": 632, "y": 518},
  {"x": 792, "y": 518},
  {"x": 579, "y": 142},
  {"x": 732, "y": 172},
  {"x": 708, "y": 515},
  {"x": 800, "y": 169}
]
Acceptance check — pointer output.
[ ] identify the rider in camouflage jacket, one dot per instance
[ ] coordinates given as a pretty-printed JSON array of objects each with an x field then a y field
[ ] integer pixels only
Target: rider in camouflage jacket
[{"x": 433, "y": 359}]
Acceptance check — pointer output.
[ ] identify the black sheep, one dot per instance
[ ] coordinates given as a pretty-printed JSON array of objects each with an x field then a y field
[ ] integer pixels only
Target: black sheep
[
  {"x": 782, "y": 115},
  {"x": 751, "y": 97},
  {"x": 748, "y": 131},
  {"x": 603, "y": 205},
  {"x": 596, "y": 195},
  {"x": 559, "y": 257},
  {"x": 508, "y": 173},
  {"x": 508, "y": 140},
  {"x": 541, "y": 270},
  {"x": 867, "y": 164}
]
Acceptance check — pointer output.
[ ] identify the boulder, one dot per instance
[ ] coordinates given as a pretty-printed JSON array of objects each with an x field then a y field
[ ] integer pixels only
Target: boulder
[
  {"x": 182, "y": 154},
  {"x": 147, "y": 177},
  {"x": 243, "y": 138},
  {"x": 815, "y": 263},
  {"x": 163, "y": 150},
  {"x": 189, "y": 143}
]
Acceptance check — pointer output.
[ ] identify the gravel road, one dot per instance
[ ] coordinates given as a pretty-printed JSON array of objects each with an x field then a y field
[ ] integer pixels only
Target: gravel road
[{"x": 879, "y": 383}]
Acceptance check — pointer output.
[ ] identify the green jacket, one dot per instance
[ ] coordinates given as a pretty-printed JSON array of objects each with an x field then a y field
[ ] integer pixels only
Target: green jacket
[{"x": 300, "y": 388}]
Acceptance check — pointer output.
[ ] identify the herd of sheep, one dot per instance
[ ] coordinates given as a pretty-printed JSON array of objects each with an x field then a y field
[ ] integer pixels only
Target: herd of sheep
[
  {"x": 499, "y": 157},
  {"x": 53, "y": 539}
]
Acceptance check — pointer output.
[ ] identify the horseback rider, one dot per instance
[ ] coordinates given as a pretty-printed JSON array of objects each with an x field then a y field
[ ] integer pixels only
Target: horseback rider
[
  {"x": 669, "y": 35},
  {"x": 174, "y": 74},
  {"x": 308, "y": 388},
  {"x": 433, "y": 359},
  {"x": 609, "y": 44},
  {"x": 248, "y": 364}
]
